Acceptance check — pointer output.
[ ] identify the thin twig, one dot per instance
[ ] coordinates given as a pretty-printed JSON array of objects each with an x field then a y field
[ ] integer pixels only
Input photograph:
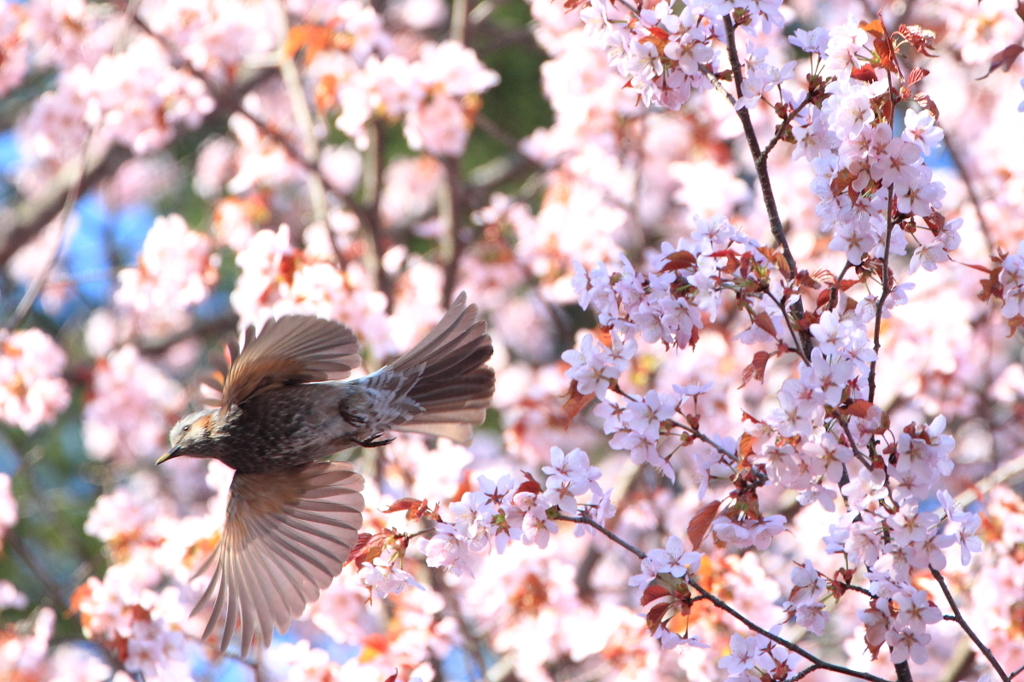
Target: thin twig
[
  {"x": 303, "y": 118},
  {"x": 373, "y": 226},
  {"x": 781, "y": 129},
  {"x": 967, "y": 628},
  {"x": 585, "y": 520},
  {"x": 800, "y": 651},
  {"x": 79, "y": 171},
  {"x": 38, "y": 570},
  {"x": 886, "y": 290},
  {"x": 798, "y": 345},
  {"x": 972, "y": 192},
  {"x": 455, "y": 213},
  {"x": 761, "y": 166}
]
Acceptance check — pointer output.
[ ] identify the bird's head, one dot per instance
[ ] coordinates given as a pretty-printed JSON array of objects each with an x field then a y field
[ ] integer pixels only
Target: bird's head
[{"x": 192, "y": 436}]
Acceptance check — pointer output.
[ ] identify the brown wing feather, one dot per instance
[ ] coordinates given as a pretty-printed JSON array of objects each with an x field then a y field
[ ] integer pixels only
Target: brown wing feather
[
  {"x": 286, "y": 537},
  {"x": 291, "y": 350}
]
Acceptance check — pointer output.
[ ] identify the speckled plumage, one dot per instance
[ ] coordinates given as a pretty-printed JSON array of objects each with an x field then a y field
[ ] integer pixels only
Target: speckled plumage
[{"x": 286, "y": 407}]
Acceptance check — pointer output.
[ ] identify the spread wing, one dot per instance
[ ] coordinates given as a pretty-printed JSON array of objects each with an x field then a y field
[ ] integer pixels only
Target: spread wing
[
  {"x": 294, "y": 349},
  {"x": 286, "y": 537}
]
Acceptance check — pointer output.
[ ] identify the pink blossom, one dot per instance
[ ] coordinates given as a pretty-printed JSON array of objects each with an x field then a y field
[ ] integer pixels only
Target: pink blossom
[
  {"x": 176, "y": 269},
  {"x": 673, "y": 559},
  {"x": 132, "y": 407},
  {"x": 32, "y": 389}
]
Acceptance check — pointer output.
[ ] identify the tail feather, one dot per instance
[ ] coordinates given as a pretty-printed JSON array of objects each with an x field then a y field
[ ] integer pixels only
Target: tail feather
[{"x": 452, "y": 385}]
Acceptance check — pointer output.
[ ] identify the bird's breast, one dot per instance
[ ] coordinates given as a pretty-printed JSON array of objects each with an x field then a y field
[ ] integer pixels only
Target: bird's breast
[{"x": 286, "y": 427}]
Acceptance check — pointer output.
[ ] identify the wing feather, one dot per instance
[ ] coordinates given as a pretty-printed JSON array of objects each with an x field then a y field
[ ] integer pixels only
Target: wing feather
[
  {"x": 287, "y": 535},
  {"x": 294, "y": 349}
]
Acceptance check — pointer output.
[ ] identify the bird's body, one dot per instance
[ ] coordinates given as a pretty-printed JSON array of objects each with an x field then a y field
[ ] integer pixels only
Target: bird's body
[
  {"x": 291, "y": 425},
  {"x": 285, "y": 408}
]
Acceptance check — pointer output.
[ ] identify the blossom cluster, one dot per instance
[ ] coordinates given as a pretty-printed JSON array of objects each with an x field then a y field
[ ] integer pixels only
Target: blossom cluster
[
  {"x": 33, "y": 390},
  {"x": 500, "y": 511},
  {"x": 774, "y": 428},
  {"x": 176, "y": 270}
]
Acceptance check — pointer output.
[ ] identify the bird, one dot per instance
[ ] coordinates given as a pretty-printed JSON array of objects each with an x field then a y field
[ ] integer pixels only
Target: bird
[{"x": 286, "y": 406}]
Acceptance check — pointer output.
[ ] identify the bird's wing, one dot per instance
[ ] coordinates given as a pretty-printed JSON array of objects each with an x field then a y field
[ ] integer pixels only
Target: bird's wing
[
  {"x": 294, "y": 349},
  {"x": 286, "y": 537}
]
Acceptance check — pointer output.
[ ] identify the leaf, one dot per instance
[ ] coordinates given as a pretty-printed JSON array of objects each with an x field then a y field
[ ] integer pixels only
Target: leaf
[
  {"x": 755, "y": 370},
  {"x": 1003, "y": 59},
  {"x": 764, "y": 321},
  {"x": 865, "y": 73},
  {"x": 530, "y": 485},
  {"x": 368, "y": 547},
  {"x": 680, "y": 260},
  {"x": 916, "y": 75},
  {"x": 858, "y": 408},
  {"x": 698, "y": 527},
  {"x": 1015, "y": 323},
  {"x": 746, "y": 445},
  {"x": 656, "y": 615},
  {"x": 415, "y": 509},
  {"x": 875, "y": 28},
  {"x": 311, "y": 37},
  {"x": 926, "y": 102},
  {"x": 922, "y": 39},
  {"x": 653, "y": 592},
  {"x": 575, "y": 403}
]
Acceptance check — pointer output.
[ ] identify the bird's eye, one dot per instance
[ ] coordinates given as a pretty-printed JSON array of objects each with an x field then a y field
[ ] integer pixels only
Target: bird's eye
[{"x": 185, "y": 428}]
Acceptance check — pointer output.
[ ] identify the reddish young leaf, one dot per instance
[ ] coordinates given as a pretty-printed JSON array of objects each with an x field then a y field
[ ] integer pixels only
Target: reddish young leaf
[
  {"x": 755, "y": 370},
  {"x": 369, "y": 547},
  {"x": 875, "y": 28},
  {"x": 414, "y": 509},
  {"x": 926, "y": 102},
  {"x": 865, "y": 73},
  {"x": 858, "y": 408},
  {"x": 916, "y": 74},
  {"x": 922, "y": 39},
  {"x": 1003, "y": 59},
  {"x": 764, "y": 321},
  {"x": 575, "y": 403},
  {"x": 1015, "y": 323},
  {"x": 313, "y": 38},
  {"x": 404, "y": 504},
  {"x": 656, "y": 615},
  {"x": 530, "y": 485},
  {"x": 653, "y": 592},
  {"x": 698, "y": 527},
  {"x": 746, "y": 445},
  {"x": 680, "y": 260}
]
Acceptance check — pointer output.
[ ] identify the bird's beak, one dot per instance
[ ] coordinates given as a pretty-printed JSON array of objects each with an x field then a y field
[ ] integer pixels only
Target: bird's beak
[{"x": 170, "y": 454}]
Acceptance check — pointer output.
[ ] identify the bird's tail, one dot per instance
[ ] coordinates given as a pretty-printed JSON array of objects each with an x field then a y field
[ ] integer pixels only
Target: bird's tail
[{"x": 445, "y": 375}]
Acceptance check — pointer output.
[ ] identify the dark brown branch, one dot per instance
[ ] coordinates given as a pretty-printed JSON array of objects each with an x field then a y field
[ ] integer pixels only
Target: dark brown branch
[
  {"x": 800, "y": 651},
  {"x": 208, "y": 328},
  {"x": 587, "y": 521},
  {"x": 19, "y": 224},
  {"x": 761, "y": 166},
  {"x": 962, "y": 622},
  {"x": 886, "y": 290},
  {"x": 38, "y": 570}
]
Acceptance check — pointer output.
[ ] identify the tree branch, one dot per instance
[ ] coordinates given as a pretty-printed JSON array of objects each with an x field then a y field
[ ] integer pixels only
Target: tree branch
[{"x": 962, "y": 622}]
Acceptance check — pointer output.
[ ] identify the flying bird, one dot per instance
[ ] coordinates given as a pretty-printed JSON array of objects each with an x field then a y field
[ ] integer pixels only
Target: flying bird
[{"x": 286, "y": 406}]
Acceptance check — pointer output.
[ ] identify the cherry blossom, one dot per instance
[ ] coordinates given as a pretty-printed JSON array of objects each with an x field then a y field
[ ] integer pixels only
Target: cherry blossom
[
  {"x": 32, "y": 389},
  {"x": 752, "y": 272}
]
